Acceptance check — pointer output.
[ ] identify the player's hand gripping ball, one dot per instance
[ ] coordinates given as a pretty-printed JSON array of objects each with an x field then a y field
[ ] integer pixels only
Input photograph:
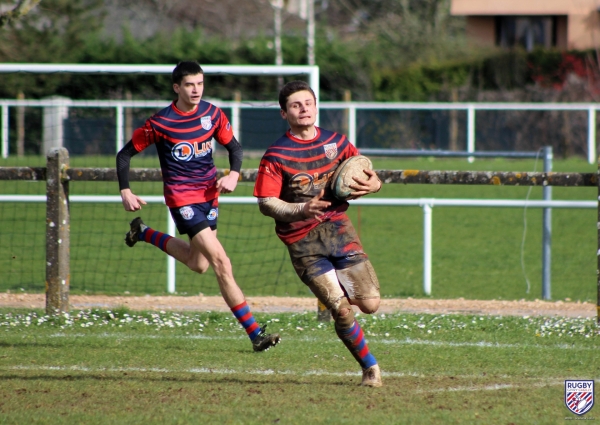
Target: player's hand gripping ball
[{"x": 342, "y": 178}]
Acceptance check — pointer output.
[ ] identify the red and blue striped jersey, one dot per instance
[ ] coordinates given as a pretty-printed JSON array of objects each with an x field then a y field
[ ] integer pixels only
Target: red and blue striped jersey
[
  {"x": 296, "y": 170},
  {"x": 184, "y": 142}
]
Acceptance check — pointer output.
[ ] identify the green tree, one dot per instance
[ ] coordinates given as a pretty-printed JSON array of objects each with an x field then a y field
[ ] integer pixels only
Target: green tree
[
  {"x": 55, "y": 31},
  {"x": 21, "y": 8}
]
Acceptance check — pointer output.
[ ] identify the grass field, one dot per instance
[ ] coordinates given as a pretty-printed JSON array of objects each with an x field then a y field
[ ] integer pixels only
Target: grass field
[
  {"x": 120, "y": 366},
  {"x": 478, "y": 253}
]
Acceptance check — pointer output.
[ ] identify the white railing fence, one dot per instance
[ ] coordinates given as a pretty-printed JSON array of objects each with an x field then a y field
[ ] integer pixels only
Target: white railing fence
[
  {"x": 236, "y": 107},
  {"x": 427, "y": 204}
]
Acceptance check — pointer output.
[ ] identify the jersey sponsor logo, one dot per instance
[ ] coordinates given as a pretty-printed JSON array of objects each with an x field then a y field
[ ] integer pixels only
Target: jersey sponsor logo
[
  {"x": 330, "y": 150},
  {"x": 184, "y": 151},
  {"x": 579, "y": 396},
  {"x": 186, "y": 212},
  {"x": 206, "y": 123},
  {"x": 228, "y": 126},
  {"x": 213, "y": 214},
  {"x": 305, "y": 183}
]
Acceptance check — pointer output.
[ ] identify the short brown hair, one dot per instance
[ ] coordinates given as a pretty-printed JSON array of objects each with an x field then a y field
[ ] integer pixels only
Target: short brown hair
[
  {"x": 291, "y": 88},
  {"x": 185, "y": 68}
]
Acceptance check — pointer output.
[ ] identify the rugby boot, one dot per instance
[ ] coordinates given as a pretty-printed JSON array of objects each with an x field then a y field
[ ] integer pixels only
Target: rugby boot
[
  {"x": 137, "y": 226},
  {"x": 371, "y": 377},
  {"x": 264, "y": 341}
]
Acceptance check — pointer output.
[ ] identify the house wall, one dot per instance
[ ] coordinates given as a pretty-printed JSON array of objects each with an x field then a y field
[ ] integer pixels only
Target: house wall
[
  {"x": 481, "y": 30},
  {"x": 577, "y": 23}
]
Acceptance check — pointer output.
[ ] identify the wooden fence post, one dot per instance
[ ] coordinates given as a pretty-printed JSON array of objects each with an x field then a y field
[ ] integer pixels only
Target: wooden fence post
[
  {"x": 323, "y": 314},
  {"x": 57, "y": 232}
]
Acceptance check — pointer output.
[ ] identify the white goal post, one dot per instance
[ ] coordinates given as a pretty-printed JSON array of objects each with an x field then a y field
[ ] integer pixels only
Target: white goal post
[
  {"x": 311, "y": 71},
  {"x": 39, "y": 68}
]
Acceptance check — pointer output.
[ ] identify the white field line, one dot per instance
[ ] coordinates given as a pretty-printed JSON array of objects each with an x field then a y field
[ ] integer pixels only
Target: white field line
[
  {"x": 541, "y": 382},
  {"x": 392, "y": 341}
]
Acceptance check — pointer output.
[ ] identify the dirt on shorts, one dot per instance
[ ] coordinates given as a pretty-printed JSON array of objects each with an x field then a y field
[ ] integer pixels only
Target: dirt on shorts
[{"x": 300, "y": 304}]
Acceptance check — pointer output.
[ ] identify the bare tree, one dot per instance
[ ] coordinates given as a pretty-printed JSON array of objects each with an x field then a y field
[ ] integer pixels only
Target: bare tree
[{"x": 22, "y": 8}]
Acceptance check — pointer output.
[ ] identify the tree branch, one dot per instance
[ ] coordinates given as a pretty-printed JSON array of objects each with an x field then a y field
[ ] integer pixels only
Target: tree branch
[{"x": 21, "y": 9}]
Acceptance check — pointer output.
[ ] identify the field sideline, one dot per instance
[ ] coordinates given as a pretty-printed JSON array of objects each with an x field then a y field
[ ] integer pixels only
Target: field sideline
[{"x": 301, "y": 304}]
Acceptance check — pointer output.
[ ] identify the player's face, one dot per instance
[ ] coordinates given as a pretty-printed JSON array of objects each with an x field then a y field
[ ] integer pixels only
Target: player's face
[
  {"x": 189, "y": 91},
  {"x": 301, "y": 110}
]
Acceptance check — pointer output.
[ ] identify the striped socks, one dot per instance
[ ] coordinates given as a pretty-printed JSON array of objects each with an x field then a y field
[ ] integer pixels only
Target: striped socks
[
  {"x": 246, "y": 319},
  {"x": 354, "y": 339},
  {"x": 156, "y": 238}
]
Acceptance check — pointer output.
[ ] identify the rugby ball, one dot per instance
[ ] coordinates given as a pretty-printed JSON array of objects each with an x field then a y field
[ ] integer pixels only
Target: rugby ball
[{"x": 344, "y": 173}]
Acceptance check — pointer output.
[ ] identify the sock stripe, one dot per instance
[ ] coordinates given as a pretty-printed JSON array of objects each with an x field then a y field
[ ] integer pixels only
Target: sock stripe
[
  {"x": 244, "y": 315},
  {"x": 162, "y": 243},
  {"x": 238, "y": 307},
  {"x": 355, "y": 341},
  {"x": 156, "y": 238},
  {"x": 364, "y": 352},
  {"x": 148, "y": 235},
  {"x": 253, "y": 328}
]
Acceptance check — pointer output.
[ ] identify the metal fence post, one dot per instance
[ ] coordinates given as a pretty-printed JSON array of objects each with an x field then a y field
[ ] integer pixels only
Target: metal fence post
[
  {"x": 471, "y": 131},
  {"x": 171, "y": 262},
  {"x": 57, "y": 232},
  {"x": 547, "y": 229},
  {"x": 4, "y": 130},
  {"x": 120, "y": 133},
  {"x": 591, "y": 134}
]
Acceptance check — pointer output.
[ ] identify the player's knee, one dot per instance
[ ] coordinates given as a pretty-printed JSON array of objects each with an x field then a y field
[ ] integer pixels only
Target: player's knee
[
  {"x": 197, "y": 267},
  {"x": 197, "y": 264},
  {"x": 222, "y": 265},
  {"x": 369, "y": 306},
  {"x": 343, "y": 315}
]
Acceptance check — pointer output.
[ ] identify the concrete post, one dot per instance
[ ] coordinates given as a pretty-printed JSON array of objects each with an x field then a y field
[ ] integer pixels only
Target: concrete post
[{"x": 54, "y": 117}]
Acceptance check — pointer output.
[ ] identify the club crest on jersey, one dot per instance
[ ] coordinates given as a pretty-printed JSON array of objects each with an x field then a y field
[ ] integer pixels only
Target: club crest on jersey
[
  {"x": 186, "y": 212},
  {"x": 213, "y": 214},
  {"x": 206, "y": 123},
  {"x": 330, "y": 150},
  {"x": 579, "y": 396}
]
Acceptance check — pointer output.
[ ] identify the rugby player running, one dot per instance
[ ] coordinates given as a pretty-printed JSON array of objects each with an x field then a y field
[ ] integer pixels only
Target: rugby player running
[
  {"x": 183, "y": 134},
  {"x": 292, "y": 187}
]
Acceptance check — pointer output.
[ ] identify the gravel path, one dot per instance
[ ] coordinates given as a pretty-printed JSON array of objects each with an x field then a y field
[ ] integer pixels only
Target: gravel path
[{"x": 295, "y": 304}]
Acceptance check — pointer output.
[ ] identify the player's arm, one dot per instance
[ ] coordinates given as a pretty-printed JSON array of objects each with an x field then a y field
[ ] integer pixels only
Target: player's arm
[
  {"x": 228, "y": 183},
  {"x": 131, "y": 202},
  {"x": 289, "y": 212}
]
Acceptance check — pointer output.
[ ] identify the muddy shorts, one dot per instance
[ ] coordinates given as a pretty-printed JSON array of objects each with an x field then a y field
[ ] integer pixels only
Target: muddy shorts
[{"x": 334, "y": 245}]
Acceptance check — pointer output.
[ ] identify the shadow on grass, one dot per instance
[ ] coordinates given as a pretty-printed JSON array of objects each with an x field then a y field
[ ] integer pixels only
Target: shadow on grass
[
  {"x": 204, "y": 378},
  {"x": 22, "y": 344}
]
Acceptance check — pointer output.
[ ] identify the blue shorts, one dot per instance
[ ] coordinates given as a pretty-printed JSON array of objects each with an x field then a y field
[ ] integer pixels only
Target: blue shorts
[{"x": 192, "y": 219}]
